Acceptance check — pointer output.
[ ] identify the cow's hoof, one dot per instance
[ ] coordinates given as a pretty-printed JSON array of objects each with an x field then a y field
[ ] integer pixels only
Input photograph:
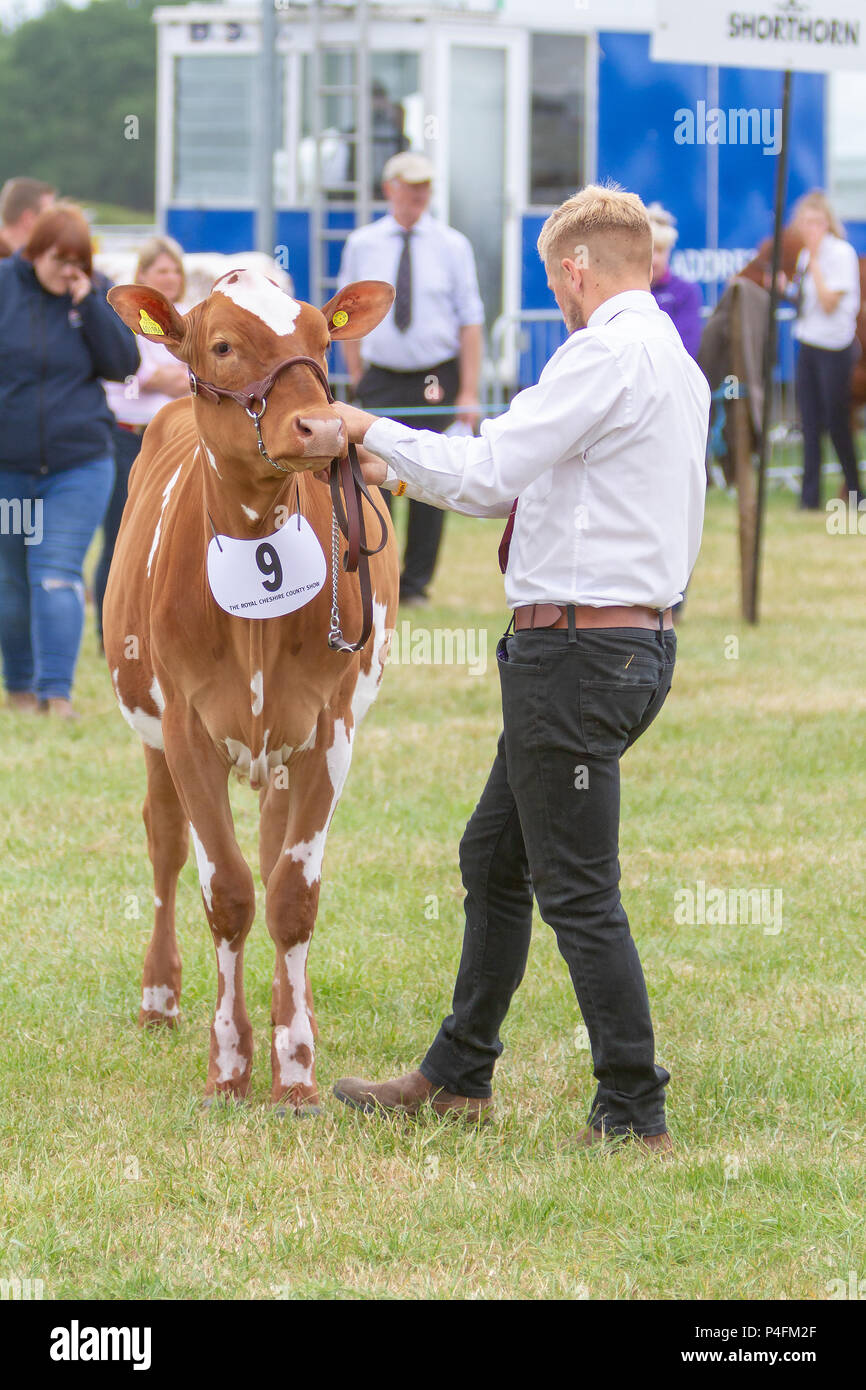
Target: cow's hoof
[
  {"x": 148, "y": 1019},
  {"x": 301, "y": 1112},
  {"x": 224, "y": 1098}
]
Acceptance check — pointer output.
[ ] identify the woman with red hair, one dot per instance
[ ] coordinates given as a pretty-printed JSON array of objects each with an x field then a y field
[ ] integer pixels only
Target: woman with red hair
[{"x": 58, "y": 337}]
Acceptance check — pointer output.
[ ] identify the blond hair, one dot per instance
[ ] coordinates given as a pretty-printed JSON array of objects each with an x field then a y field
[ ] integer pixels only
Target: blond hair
[
  {"x": 602, "y": 226},
  {"x": 151, "y": 250},
  {"x": 818, "y": 200},
  {"x": 663, "y": 225}
]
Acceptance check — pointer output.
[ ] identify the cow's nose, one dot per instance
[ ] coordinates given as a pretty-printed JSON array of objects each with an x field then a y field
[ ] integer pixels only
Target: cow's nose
[{"x": 320, "y": 438}]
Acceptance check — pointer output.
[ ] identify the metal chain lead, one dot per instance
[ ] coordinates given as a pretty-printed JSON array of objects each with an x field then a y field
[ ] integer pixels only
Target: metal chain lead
[{"x": 335, "y": 635}]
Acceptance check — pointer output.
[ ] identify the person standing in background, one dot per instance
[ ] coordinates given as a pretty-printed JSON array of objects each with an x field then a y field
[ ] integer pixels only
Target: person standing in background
[
  {"x": 679, "y": 298},
  {"x": 428, "y": 349},
  {"x": 21, "y": 201},
  {"x": 828, "y": 280},
  {"x": 134, "y": 402},
  {"x": 58, "y": 337}
]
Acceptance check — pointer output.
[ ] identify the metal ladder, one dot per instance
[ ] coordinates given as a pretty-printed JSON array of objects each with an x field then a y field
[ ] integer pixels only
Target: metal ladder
[{"x": 355, "y": 192}]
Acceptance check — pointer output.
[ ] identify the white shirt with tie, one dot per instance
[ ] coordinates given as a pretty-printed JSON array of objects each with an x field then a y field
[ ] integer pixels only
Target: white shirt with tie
[
  {"x": 445, "y": 295},
  {"x": 606, "y": 455}
]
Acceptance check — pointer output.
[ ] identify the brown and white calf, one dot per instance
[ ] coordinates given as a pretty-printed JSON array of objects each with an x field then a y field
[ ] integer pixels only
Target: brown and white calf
[{"x": 211, "y": 692}]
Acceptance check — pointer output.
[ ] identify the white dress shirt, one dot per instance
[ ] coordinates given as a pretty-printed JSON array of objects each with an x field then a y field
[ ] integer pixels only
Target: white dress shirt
[
  {"x": 445, "y": 296},
  {"x": 841, "y": 271},
  {"x": 606, "y": 455}
]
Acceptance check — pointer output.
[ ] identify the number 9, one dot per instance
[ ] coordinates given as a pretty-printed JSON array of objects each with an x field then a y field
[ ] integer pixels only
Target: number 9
[{"x": 268, "y": 562}]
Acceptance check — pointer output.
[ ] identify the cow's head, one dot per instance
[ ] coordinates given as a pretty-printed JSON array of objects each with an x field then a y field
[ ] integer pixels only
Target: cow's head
[{"x": 236, "y": 336}]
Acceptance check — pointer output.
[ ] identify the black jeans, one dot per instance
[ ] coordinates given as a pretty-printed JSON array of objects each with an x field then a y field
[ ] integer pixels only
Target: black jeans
[
  {"x": 379, "y": 387},
  {"x": 823, "y": 395},
  {"x": 548, "y": 823},
  {"x": 127, "y": 447}
]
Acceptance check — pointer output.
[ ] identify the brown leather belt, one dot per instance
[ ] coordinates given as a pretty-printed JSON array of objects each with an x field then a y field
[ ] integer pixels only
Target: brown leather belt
[{"x": 556, "y": 615}]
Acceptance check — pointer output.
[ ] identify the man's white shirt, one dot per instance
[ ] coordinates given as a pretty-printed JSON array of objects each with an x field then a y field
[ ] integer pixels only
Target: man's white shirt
[
  {"x": 445, "y": 295},
  {"x": 606, "y": 455}
]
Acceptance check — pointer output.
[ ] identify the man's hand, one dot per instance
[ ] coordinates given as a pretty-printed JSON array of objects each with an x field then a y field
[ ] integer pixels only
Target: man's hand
[
  {"x": 468, "y": 409},
  {"x": 357, "y": 422}
]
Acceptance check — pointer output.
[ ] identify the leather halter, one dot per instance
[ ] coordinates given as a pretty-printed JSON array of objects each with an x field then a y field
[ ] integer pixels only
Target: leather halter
[{"x": 345, "y": 471}]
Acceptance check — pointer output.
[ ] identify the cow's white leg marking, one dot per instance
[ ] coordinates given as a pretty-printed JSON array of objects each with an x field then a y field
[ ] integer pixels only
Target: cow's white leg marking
[
  {"x": 367, "y": 687},
  {"x": 206, "y": 869},
  {"x": 154, "y": 1000},
  {"x": 147, "y": 726},
  {"x": 299, "y": 1033},
  {"x": 257, "y": 686},
  {"x": 310, "y": 853},
  {"x": 166, "y": 493},
  {"x": 228, "y": 1059}
]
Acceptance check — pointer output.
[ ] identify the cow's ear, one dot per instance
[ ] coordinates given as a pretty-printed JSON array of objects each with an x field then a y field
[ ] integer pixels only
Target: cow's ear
[
  {"x": 358, "y": 308},
  {"x": 149, "y": 313}
]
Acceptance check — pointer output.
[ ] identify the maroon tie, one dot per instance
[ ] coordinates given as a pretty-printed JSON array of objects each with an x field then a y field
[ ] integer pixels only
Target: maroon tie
[{"x": 505, "y": 543}]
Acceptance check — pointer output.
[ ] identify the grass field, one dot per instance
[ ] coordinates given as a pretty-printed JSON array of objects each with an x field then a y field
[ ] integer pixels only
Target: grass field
[{"x": 116, "y": 1185}]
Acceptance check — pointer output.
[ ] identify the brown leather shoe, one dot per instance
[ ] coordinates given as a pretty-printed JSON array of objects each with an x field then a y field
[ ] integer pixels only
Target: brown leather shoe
[
  {"x": 406, "y": 1095},
  {"x": 592, "y": 1138}
]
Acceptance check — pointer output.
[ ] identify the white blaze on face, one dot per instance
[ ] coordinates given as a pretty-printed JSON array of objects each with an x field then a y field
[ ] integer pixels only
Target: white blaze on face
[
  {"x": 299, "y": 1032},
  {"x": 166, "y": 493},
  {"x": 154, "y": 1000},
  {"x": 147, "y": 726},
  {"x": 310, "y": 853},
  {"x": 258, "y": 689},
  {"x": 229, "y": 1060},
  {"x": 260, "y": 296},
  {"x": 206, "y": 869}
]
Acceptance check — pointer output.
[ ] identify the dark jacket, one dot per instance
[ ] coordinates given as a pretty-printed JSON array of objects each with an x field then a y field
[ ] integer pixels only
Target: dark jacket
[{"x": 53, "y": 412}]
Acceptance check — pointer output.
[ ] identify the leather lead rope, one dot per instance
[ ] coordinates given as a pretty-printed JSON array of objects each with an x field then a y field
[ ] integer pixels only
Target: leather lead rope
[{"x": 349, "y": 519}]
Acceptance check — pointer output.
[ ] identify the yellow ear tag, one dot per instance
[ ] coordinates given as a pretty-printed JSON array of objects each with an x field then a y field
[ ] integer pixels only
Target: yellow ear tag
[
  {"x": 149, "y": 325},
  {"x": 340, "y": 319}
]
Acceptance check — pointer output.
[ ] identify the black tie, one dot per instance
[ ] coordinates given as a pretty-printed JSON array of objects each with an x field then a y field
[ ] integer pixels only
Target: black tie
[{"x": 403, "y": 298}]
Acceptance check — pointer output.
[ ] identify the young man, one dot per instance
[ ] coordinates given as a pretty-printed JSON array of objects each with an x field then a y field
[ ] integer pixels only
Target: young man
[{"x": 605, "y": 457}]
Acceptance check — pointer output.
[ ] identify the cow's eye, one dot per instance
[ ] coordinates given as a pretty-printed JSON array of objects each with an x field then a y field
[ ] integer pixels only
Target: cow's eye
[{"x": 221, "y": 349}]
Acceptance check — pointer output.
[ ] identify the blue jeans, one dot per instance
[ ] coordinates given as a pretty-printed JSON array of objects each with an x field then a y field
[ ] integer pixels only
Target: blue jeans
[
  {"x": 127, "y": 447},
  {"x": 46, "y": 526}
]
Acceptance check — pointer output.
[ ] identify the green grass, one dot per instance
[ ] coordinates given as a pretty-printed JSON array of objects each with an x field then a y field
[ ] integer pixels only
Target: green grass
[{"x": 116, "y": 1185}]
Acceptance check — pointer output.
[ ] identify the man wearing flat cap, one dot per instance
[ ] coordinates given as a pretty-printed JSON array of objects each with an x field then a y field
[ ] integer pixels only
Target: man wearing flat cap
[{"x": 427, "y": 351}]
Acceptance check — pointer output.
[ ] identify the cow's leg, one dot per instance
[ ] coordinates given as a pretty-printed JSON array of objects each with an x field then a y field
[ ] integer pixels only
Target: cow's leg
[
  {"x": 201, "y": 778},
  {"x": 168, "y": 844},
  {"x": 317, "y": 779}
]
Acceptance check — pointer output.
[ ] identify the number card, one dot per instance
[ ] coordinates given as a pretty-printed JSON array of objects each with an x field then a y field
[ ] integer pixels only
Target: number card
[{"x": 267, "y": 578}]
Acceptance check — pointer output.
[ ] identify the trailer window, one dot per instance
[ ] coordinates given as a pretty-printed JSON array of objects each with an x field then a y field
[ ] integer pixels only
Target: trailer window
[
  {"x": 847, "y": 167},
  {"x": 396, "y": 119},
  {"x": 214, "y": 121},
  {"x": 558, "y": 107}
]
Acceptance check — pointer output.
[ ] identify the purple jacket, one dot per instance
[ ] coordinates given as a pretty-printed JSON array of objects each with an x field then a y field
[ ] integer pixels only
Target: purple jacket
[{"x": 683, "y": 302}]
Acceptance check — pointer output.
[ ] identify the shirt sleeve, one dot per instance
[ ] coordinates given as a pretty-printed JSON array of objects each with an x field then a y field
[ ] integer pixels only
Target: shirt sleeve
[
  {"x": 563, "y": 415},
  {"x": 470, "y": 306},
  {"x": 842, "y": 269}
]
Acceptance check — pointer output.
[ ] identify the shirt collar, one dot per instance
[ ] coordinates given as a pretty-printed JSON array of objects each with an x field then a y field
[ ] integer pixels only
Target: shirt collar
[
  {"x": 421, "y": 225},
  {"x": 641, "y": 300}
]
